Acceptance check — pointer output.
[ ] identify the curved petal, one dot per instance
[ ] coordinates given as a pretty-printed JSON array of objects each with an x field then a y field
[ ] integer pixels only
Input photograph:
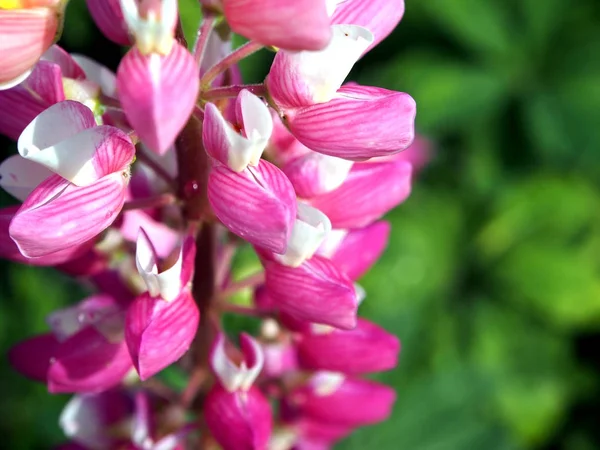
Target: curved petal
[{"x": 109, "y": 18}]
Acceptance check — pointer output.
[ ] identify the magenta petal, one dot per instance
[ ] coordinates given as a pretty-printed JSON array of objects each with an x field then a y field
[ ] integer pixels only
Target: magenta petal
[
  {"x": 366, "y": 349},
  {"x": 355, "y": 402},
  {"x": 108, "y": 16},
  {"x": 361, "y": 248},
  {"x": 88, "y": 362},
  {"x": 238, "y": 420},
  {"x": 370, "y": 191},
  {"x": 31, "y": 358},
  {"x": 52, "y": 219},
  {"x": 293, "y": 25},
  {"x": 158, "y": 94},
  {"x": 316, "y": 291},
  {"x": 380, "y": 17},
  {"x": 258, "y": 204},
  {"x": 359, "y": 123},
  {"x": 68, "y": 66},
  {"x": 158, "y": 332}
]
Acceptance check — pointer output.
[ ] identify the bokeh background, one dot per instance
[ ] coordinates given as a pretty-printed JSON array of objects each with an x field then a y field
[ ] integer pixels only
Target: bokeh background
[{"x": 492, "y": 275}]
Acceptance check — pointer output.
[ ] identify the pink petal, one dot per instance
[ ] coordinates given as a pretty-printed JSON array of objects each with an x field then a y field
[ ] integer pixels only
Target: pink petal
[
  {"x": 284, "y": 147},
  {"x": 25, "y": 34},
  {"x": 158, "y": 332},
  {"x": 235, "y": 376},
  {"x": 258, "y": 204},
  {"x": 58, "y": 215},
  {"x": 378, "y": 16},
  {"x": 88, "y": 362},
  {"x": 238, "y": 420},
  {"x": 108, "y": 16},
  {"x": 98, "y": 74},
  {"x": 67, "y": 64},
  {"x": 163, "y": 238},
  {"x": 316, "y": 291},
  {"x": 31, "y": 358},
  {"x": 370, "y": 191},
  {"x": 298, "y": 25},
  {"x": 361, "y": 248},
  {"x": 359, "y": 123},
  {"x": 304, "y": 78},
  {"x": 354, "y": 402},
  {"x": 19, "y": 176},
  {"x": 158, "y": 94},
  {"x": 366, "y": 349},
  {"x": 314, "y": 174}
]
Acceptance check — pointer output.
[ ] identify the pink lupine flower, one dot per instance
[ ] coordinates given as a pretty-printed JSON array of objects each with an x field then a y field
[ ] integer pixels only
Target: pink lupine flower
[
  {"x": 226, "y": 145},
  {"x": 360, "y": 248},
  {"x": 298, "y": 79},
  {"x": 236, "y": 412},
  {"x": 378, "y": 16},
  {"x": 335, "y": 399},
  {"x": 314, "y": 174},
  {"x": 158, "y": 79},
  {"x": 27, "y": 30},
  {"x": 86, "y": 194},
  {"x": 87, "y": 419},
  {"x": 316, "y": 292},
  {"x": 360, "y": 122},
  {"x": 370, "y": 191},
  {"x": 168, "y": 305},
  {"x": 298, "y": 25},
  {"x": 368, "y": 348},
  {"x": 42, "y": 347},
  {"x": 164, "y": 239},
  {"x": 265, "y": 204},
  {"x": 108, "y": 16}
]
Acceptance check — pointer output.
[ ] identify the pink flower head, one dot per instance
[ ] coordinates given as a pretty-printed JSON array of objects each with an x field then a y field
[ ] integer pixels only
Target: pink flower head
[
  {"x": 297, "y": 25},
  {"x": 368, "y": 348},
  {"x": 334, "y": 399},
  {"x": 316, "y": 291},
  {"x": 265, "y": 204},
  {"x": 225, "y": 144},
  {"x": 26, "y": 31},
  {"x": 369, "y": 191},
  {"x": 378, "y": 16},
  {"x": 108, "y": 16},
  {"x": 90, "y": 165},
  {"x": 153, "y": 317},
  {"x": 158, "y": 79},
  {"x": 236, "y": 412},
  {"x": 360, "y": 122}
]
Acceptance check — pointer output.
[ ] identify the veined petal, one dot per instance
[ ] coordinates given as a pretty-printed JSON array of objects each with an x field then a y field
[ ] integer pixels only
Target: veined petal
[
  {"x": 158, "y": 332},
  {"x": 158, "y": 94},
  {"x": 370, "y": 190},
  {"x": 359, "y": 123},
  {"x": 314, "y": 174},
  {"x": 378, "y": 16},
  {"x": 163, "y": 238},
  {"x": 25, "y": 35},
  {"x": 366, "y": 349},
  {"x": 316, "y": 291},
  {"x": 68, "y": 66},
  {"x": 86, "y": 156},
  {"x": 19, "y": 176},
  {"x": 361, "y": 248},
  {"x": 109, "y": 18},
  {"x": 310, "y": 229},
  {"x": 297, "y": 25},
  {"x": 88, "y": 362},
  {"x": 258, "y": 204},
  {"x": 58, "y": 215},
  {"x": 234, "y": 376},
  {"x": 304, "y": 78}
]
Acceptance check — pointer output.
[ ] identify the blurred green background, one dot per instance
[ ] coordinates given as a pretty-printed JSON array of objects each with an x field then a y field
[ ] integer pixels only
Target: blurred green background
[{"x": 492, "y": 276}]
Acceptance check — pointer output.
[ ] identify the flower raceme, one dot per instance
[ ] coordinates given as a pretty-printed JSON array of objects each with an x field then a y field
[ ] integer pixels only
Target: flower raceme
[{"x": 152, "y": 184}]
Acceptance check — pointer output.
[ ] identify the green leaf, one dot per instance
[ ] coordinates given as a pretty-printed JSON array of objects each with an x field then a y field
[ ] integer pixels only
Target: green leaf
[{"x": 191, "y": 15}]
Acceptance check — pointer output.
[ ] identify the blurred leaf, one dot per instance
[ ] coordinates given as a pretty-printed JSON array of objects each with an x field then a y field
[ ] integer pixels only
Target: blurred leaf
[
  {"x": 191, "y": 15},
  {"x": 531, "y": 371},
  {"x": 541, "y": 20},
  {"x": 448, "y": 93},
  {"x": 483, "y": 26},
  {"x": 80, "y": 31}
]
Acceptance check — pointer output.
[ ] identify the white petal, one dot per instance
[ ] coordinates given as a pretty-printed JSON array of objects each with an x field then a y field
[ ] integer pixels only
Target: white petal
[
  {"x": 310, "y": 230},
  {"x": 326, "y": 383},
  {"x": 232, "y": 376},
  {"x": 98, "y": 73},
  {"x": 257, "y": 119},
  {"x": 19, "y": 176}
]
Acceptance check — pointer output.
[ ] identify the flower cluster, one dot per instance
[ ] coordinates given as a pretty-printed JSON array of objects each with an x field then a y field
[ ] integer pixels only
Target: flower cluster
[{"x": 145, "y": 183}]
